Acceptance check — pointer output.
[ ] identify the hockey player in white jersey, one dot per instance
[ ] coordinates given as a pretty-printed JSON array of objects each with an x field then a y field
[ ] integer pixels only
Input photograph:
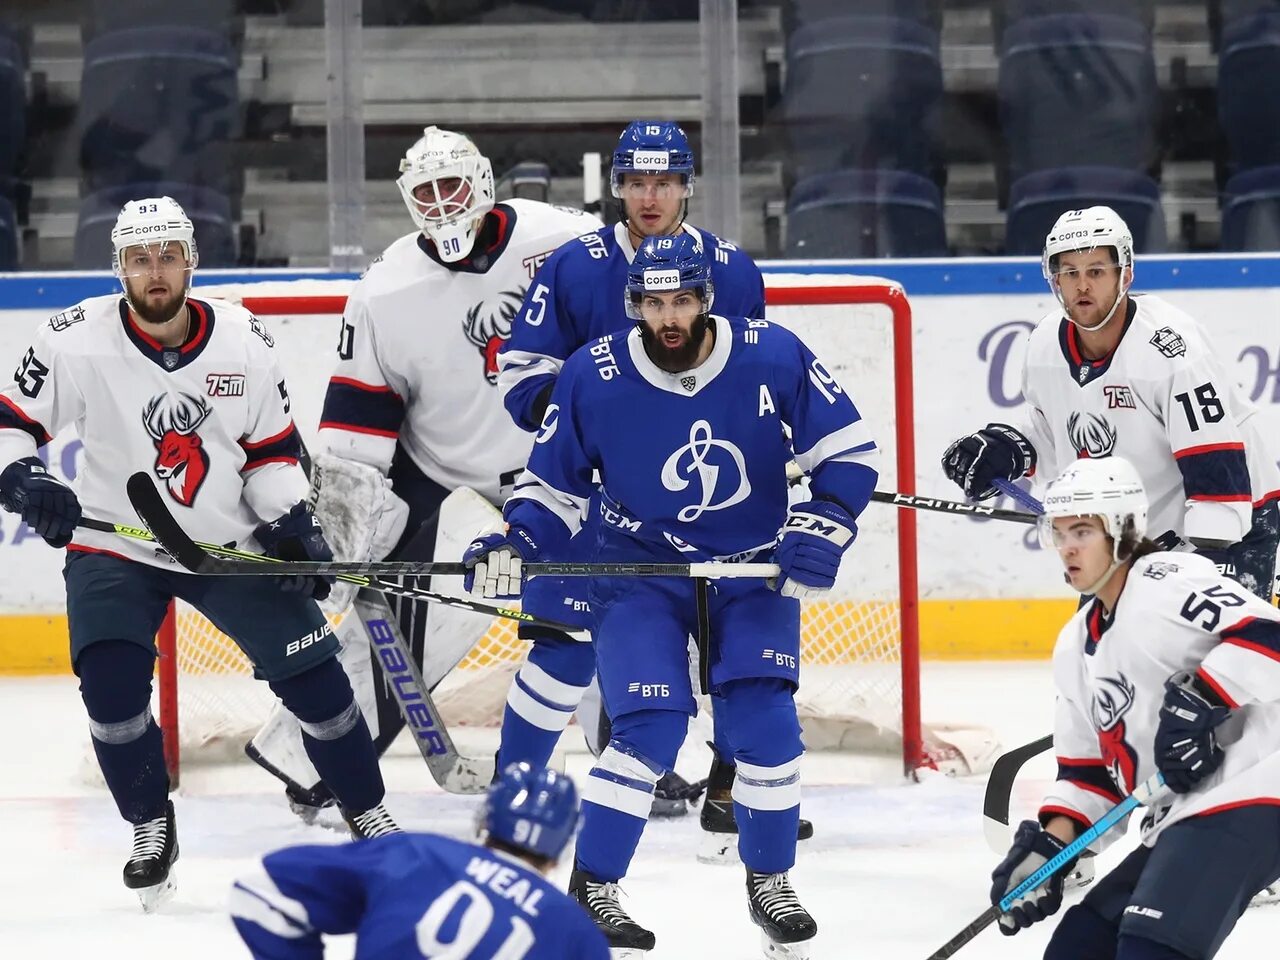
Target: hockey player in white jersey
[
  {"x": 1114, "y": 373},
  {"x": 412, "y": 412},
  {"x": 188, "y": 390},
  {"x": 691, "y": 421},
  {"x": 1171, "y": 667}
]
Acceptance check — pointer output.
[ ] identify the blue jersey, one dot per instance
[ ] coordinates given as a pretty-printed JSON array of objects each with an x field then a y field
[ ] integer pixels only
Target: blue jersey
[
  {"x": 579, "y": 295},
  {"x": 406, "y": 897},
  {"x": 692, "y": 462}
]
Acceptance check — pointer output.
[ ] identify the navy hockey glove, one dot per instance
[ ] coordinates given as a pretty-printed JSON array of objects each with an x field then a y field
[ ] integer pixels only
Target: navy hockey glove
[
  {"x": 814, "y": 538},
  {"x": 298, "y": 536},
  {"x": 44, "y": 502},
  {"x": 1032, "y": 848},
  {"x": 997, "y": 450},
  {"x": 494, "y": 564},
  {"x": 1186, "y": 744}
]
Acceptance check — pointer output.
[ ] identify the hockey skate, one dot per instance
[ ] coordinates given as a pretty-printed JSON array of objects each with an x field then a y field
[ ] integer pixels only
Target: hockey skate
[
  {"x": 719, "y": 842},
  {"x": 307, "y": 804},
  {"x": 671, "y": 796},
  {"x": 370, "y": 824},
  {"x": 149, "y": 869},
  {"x": 627, "y": 939},
  {"x": 785, "y": 925}
]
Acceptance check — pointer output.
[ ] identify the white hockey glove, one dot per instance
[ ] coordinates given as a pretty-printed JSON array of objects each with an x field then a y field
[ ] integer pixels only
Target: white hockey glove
[{"x": 814, "y": 538}]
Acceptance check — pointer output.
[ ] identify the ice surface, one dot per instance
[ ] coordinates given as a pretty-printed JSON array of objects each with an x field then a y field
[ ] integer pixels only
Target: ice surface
[{"x": 894, "y": 871}]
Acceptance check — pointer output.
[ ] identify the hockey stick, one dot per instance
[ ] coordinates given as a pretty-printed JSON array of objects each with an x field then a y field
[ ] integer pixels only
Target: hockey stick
[
  {"x": 995, "y": 802},
  {"x": 1018, "y": 495},
  {"x": 454, "y": 772},
  {"x": 1146, "y": 793},
  {"x": 175, "y": 541},
  {"x": 951, "y": 506}
]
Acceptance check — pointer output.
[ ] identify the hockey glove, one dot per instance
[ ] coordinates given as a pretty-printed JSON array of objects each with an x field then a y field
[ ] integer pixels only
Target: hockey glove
[
  {"x": 298, "y": 536},
  {"x": 1032, "y": 847},
  {"x": 1186, "y": 743},
  {"x": 44, "y": 502},
  {"x": 997, "y": 450},
  {"x": 494, "y": 561},
  {"x": 814, "y": 538}
]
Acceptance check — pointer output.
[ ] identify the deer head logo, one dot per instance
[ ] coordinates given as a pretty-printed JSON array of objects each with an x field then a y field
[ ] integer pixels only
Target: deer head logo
[
  {"x": 488, "y": 327},
  {"x": 181, "y": 461}
]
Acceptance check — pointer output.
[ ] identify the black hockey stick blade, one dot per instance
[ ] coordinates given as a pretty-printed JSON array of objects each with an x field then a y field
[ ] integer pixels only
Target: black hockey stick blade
[
  {"x": 995, "y": 802},
  {"x": 912, "y": 502},
  {"x": 975, "y": 927},
  {"x": 196, "y": 557}
]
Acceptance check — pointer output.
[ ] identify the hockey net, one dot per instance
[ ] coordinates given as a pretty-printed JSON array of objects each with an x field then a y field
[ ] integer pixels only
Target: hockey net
[{"x": 860, "y": 648}]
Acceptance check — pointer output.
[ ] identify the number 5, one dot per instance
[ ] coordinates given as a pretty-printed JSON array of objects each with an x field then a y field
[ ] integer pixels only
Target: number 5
[{"x": 539, "y": 300}]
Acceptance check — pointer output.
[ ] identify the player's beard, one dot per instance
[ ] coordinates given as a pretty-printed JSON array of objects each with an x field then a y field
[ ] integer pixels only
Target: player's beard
[
  {"x": 674, "y": 359},
  {"x": 161, "y": 312}
]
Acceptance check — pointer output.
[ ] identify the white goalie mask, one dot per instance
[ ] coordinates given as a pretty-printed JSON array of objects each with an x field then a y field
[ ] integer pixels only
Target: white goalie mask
[
  {"x": 1108, "y": 488},
  {"x": 461, "y": 190},
  {"x": 1088, "y": 229}
]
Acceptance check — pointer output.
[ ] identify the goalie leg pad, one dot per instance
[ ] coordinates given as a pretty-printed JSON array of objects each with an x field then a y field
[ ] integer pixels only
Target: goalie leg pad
[
  {"x": 618, "y": 793},
  {"x": 321, "y": 699},
  {"x": 543, "y": 696},
  {"x": 115, "y": 685},
  {"x": 760, "y": 716}
]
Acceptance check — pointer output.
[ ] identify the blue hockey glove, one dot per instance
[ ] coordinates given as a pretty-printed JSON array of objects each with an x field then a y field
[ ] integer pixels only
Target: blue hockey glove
[
  {"x": 1186, "y": 745},
  {"x": 494, "y": 564},
  {"x": 298, "y": 536},
  {"x": 44, "y": 502},
  {"x": 1032, "y": 847},
  {"x": 814, "y": 538},
  {"x": 997, "y": 450}
]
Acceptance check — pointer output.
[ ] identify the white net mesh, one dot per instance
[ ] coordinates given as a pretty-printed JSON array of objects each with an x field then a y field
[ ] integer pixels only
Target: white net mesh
[{"x": 851, "y": 694}]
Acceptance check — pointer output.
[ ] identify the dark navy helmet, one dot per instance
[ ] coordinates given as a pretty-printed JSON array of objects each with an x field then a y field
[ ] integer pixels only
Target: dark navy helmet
[
  {"x": 532, "y": 810},
  {"x": 663, "y": 264},
  {"x": 652, "y": 146}
]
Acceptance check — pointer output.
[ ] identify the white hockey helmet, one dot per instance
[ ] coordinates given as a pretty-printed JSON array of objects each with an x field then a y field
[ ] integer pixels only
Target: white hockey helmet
[
  {"x": 1106, "y": 487},
  {"x": 455, "y": 217},
  {"x": 151, "y": 220}
]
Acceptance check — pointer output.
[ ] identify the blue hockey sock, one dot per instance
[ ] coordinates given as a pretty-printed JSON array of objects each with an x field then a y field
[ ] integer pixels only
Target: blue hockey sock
[
  {"x": 115, "y": 684},
  {"x": 334, "y": 734},
  {"x": 542, "y": 698},
  {"x": 618, "y": 793}
]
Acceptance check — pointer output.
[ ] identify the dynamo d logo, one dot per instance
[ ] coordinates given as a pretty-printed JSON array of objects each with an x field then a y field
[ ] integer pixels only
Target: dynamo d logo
[{"x": 692, "y": 460}]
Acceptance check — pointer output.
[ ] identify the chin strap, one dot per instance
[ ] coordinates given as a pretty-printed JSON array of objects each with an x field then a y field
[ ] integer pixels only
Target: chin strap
[{"x": 1120, "y": 295}]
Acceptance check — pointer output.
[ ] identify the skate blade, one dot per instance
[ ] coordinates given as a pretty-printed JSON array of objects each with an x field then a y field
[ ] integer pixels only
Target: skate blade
[
  {"x": 718, "y": 848},
  {"x": 627, "y": 953},
  {"x": 1265, "y": 897},
  {"x": 153, "y": 898},
  {"x": 772, "y": 950}
]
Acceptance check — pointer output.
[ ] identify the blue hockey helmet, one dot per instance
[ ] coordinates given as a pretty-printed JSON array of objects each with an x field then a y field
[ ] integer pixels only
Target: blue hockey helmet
[
  {"x": 663, "y": 264},
  {"x": 532, "y": 810},
  {"x": 652, "y": 146}
]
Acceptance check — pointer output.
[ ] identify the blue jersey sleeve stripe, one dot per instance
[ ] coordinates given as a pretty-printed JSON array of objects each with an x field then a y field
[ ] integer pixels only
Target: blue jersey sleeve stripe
[
  {"x": 1089, "y": 776},
  {"x": 12, "y": 418},
  {"x": 1257, "y": 634},
  {"x": 362, "y": 409},
  {"x": 284, "y": 447},
  {"x": 1217, "y": 472}
]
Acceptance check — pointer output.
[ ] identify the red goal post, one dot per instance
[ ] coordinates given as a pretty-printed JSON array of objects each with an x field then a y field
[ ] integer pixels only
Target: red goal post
[{"x": 189, "y": 658}]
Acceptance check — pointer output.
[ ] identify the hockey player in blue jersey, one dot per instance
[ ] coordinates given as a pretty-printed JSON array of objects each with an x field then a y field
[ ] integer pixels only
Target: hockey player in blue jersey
[
  {"x": 691, "y": 420},
  {"x": 418, "y": 895},
  {"x": 575, "y": 298}
]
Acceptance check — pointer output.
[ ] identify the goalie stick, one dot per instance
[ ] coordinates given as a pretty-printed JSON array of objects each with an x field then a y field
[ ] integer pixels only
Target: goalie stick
[
  {"x": 174, "y": 540},
  {"x": 1150, "y": 791}
]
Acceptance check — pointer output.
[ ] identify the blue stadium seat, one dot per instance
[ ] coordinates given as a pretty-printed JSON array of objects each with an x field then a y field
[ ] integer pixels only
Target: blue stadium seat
[
  {"x": 1251, "y": 211},
  {"x": 1249, "y": 90},
  {"x": 13, "y": 104},
  {"x": 209, "y": 210},
  {"x": 1073, "y": 89},
  {"x": 862, "y": 92},
  {"x": 158, "y": 103},
  {"x": 796, "y": 13},
  {"x": 1005, "y": 13},
  {"x": 1038, "y": 199},
  {"x": 866, "y": 213},
  {"x": 8, "y": 236},
  {"x": 107, "y": 16}
]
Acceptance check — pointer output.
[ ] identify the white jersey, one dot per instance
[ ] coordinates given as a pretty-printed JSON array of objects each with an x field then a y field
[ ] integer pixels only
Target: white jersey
[
  {"x": 1163, "y": 401},
  {"x": 1176, "y": 613},
  {"x": 208, "y": 420},
  {"x": 417, "y": 359}
]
